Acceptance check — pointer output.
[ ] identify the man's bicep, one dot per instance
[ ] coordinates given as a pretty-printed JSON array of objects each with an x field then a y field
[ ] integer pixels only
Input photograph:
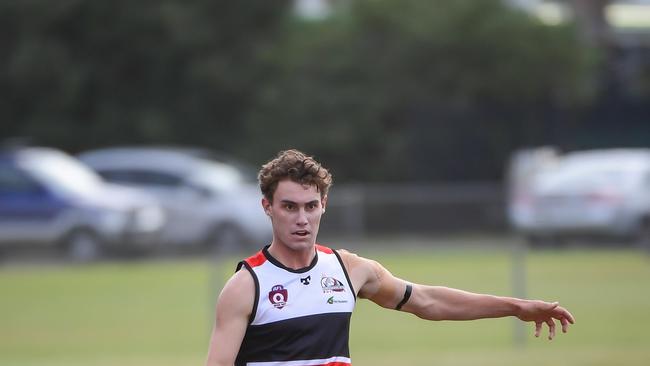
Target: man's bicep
[
  {"x": 382, "y": 287},
  {"x": 233, "y": 312}
]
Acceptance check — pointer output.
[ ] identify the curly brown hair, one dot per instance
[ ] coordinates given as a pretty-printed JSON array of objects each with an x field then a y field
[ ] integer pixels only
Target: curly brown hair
[{"x": 296, "y": 166}]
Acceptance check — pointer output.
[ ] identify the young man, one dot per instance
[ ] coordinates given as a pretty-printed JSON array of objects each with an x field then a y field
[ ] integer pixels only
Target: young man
[{"x": 290, "y": 304}]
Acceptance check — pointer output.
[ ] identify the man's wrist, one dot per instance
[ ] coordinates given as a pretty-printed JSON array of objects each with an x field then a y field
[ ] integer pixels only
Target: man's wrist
[{"x": 516, "y": 306}]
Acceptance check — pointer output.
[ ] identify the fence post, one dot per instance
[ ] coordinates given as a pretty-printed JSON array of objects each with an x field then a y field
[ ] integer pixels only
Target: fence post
[{"x": 519, "y": 252}]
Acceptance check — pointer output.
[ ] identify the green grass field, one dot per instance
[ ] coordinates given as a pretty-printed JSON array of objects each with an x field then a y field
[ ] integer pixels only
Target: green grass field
[{"x": 160, "y": 312}]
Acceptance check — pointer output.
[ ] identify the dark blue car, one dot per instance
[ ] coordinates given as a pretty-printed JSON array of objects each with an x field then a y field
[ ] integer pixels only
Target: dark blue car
[{"x": 49, "y": 199}]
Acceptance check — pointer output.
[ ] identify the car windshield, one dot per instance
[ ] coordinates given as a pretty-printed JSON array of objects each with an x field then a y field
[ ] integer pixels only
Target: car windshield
[
  {"x": 216, "y": 176},
  {"x": 63, "y": 174},
  {"x": 571, "y": 177}
]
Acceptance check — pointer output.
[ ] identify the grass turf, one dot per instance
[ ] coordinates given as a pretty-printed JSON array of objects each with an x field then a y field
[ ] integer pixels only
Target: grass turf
[{"x": 160, "y": 312}]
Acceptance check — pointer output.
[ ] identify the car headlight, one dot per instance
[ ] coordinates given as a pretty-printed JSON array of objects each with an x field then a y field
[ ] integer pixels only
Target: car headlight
[{"x": 148, "y": 218}]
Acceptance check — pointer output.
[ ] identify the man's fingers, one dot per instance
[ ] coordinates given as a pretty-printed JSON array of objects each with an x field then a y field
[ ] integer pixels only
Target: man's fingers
[
  {"x": 562, "y": 313},
  {"x": 551, "y": 329},
  {"x": 548, "y": 312},
  {"x": 568, "y": 315},
  {"x": 538, "y": 328},
  {"x": 565, "y": 324}
]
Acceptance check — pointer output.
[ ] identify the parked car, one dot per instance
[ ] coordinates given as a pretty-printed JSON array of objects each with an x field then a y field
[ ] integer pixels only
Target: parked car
[
  {"x": 209, "y": 201},
  {"x": 50, "y": 199},
  {"x": 597, "y": 193}
]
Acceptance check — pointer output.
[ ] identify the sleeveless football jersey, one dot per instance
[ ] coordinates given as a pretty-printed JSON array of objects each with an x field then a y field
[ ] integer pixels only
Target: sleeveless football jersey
[{"x": 300, "y": 317}]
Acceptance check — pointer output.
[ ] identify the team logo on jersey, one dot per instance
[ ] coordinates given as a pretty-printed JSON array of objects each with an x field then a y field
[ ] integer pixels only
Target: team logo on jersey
[
  {"x": 331, "y": 284},
  {"x": 305, "y": 281},
  {"x": 278, "y": 296}
]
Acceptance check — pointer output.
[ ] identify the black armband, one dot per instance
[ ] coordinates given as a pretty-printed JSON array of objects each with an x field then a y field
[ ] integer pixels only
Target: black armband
[{"x": 407, "y": 295}]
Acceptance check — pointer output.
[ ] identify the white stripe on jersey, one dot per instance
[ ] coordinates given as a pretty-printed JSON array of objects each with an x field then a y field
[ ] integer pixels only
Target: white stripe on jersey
[{"x": 325, "y": 361}]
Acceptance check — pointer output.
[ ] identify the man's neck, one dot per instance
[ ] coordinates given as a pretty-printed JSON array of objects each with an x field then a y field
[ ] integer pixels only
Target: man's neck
[{"x": 294, "y": 259}]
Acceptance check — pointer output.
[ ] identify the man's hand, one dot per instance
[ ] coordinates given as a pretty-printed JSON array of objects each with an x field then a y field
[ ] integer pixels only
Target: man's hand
[{"x": 542, "y": 312}]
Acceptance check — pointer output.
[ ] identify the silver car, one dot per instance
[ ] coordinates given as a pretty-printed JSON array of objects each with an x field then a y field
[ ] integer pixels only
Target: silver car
[
  {"x": 596, "y": 193},
  {"x": 50, "y": 199},
  {"x": 207, "y": 202}
]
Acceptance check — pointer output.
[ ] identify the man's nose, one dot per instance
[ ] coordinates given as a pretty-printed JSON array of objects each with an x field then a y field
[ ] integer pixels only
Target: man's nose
[{"x": 302, "y": 218}]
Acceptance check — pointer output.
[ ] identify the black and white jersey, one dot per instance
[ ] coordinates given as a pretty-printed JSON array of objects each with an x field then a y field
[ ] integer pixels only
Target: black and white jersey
[{"x": 300, "y": 317}]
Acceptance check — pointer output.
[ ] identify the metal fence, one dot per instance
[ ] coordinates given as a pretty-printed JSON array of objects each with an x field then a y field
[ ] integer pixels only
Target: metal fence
[{"x": 364, "y": 209}]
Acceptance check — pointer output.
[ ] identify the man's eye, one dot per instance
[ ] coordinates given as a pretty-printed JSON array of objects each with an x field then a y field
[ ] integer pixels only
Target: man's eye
[{"x": 289, "y": 207}]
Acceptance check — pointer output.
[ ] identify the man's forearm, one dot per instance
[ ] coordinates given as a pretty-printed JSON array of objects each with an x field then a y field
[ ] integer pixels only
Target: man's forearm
[{"x": 443, "y": 303}]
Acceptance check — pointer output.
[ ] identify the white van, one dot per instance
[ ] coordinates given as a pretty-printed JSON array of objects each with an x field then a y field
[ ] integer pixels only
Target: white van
[{"x": 596, "y": 193}]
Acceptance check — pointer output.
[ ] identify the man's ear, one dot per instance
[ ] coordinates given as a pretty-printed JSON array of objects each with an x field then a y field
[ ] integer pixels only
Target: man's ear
[
  {"x": 323, "y": 202},
  {"x": 267, "y": 206}
]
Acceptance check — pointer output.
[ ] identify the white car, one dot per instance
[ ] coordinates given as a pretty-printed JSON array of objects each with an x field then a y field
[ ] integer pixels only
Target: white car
[
  {"x": 207, "y": 202},
  {"x": 597, "y": 193},
  {"x": 50, "y": 199}
]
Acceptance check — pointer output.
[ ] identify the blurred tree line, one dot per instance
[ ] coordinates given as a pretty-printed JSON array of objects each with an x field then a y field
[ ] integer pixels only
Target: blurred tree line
[
  {"x": 381, "y": 90},
  {"x": 82, "y": 73}
]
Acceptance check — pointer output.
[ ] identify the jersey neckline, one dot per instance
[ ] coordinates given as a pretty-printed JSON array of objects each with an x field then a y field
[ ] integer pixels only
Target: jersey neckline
[{"x": 278, "y": 264}]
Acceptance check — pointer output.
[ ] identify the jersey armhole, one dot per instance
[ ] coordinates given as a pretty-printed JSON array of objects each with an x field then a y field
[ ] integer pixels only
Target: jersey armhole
[
  {"x": 257, "y": 288},
  {"x": 345, "y": 271}
]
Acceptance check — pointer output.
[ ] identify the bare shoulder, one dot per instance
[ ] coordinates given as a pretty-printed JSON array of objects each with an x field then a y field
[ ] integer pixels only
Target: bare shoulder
[
  {"x": 238, "y": 294},
  {"x": 353, "y": 261},
  {"x": 372, "y": 280},
  {"x": 365, "y": 273},
  {"x": 233, "y": 312},
  {"x": 347, "y": 256}
]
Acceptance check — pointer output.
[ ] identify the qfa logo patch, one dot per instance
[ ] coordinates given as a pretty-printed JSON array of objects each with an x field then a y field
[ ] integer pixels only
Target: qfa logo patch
[
  {"x": 331, "y": 284},
  {"x": 278, "y": 296}
]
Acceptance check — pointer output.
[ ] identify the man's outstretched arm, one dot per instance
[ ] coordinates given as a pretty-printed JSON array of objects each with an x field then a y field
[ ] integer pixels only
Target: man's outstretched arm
[
  {"x": 234, "y": 307},
  {"x": 377, "y": 284},
  {"x": 443, "y": 303}
]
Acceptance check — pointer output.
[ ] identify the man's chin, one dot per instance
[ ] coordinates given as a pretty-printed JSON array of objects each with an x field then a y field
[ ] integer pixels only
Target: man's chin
[{"x": 300, "y": 243}]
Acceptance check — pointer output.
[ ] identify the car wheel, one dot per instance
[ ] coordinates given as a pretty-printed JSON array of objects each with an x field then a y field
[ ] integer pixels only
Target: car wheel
[
  {"x": 83, "y": 246},
  {"x": 227, "y": 239}
]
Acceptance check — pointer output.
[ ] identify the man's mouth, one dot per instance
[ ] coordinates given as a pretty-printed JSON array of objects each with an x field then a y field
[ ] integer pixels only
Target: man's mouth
[{"x": 301, "y": 233}]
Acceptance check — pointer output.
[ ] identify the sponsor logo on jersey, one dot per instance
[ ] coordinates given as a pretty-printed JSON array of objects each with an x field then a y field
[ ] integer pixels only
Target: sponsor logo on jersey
[
  {"x": 331, "y": 284},
  {"x": 332, "y": 300},
  {"x": 278, "y": 296}
]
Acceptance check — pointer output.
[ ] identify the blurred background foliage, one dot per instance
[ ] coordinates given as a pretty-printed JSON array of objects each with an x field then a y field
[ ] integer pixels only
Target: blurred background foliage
[
  {"x": 435, "y": 90},
  {"x": 82, "y": 73}
]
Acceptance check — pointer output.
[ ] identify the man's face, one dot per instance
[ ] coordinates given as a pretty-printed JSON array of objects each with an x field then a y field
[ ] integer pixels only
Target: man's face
[{"x": 295, "y": 214}]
